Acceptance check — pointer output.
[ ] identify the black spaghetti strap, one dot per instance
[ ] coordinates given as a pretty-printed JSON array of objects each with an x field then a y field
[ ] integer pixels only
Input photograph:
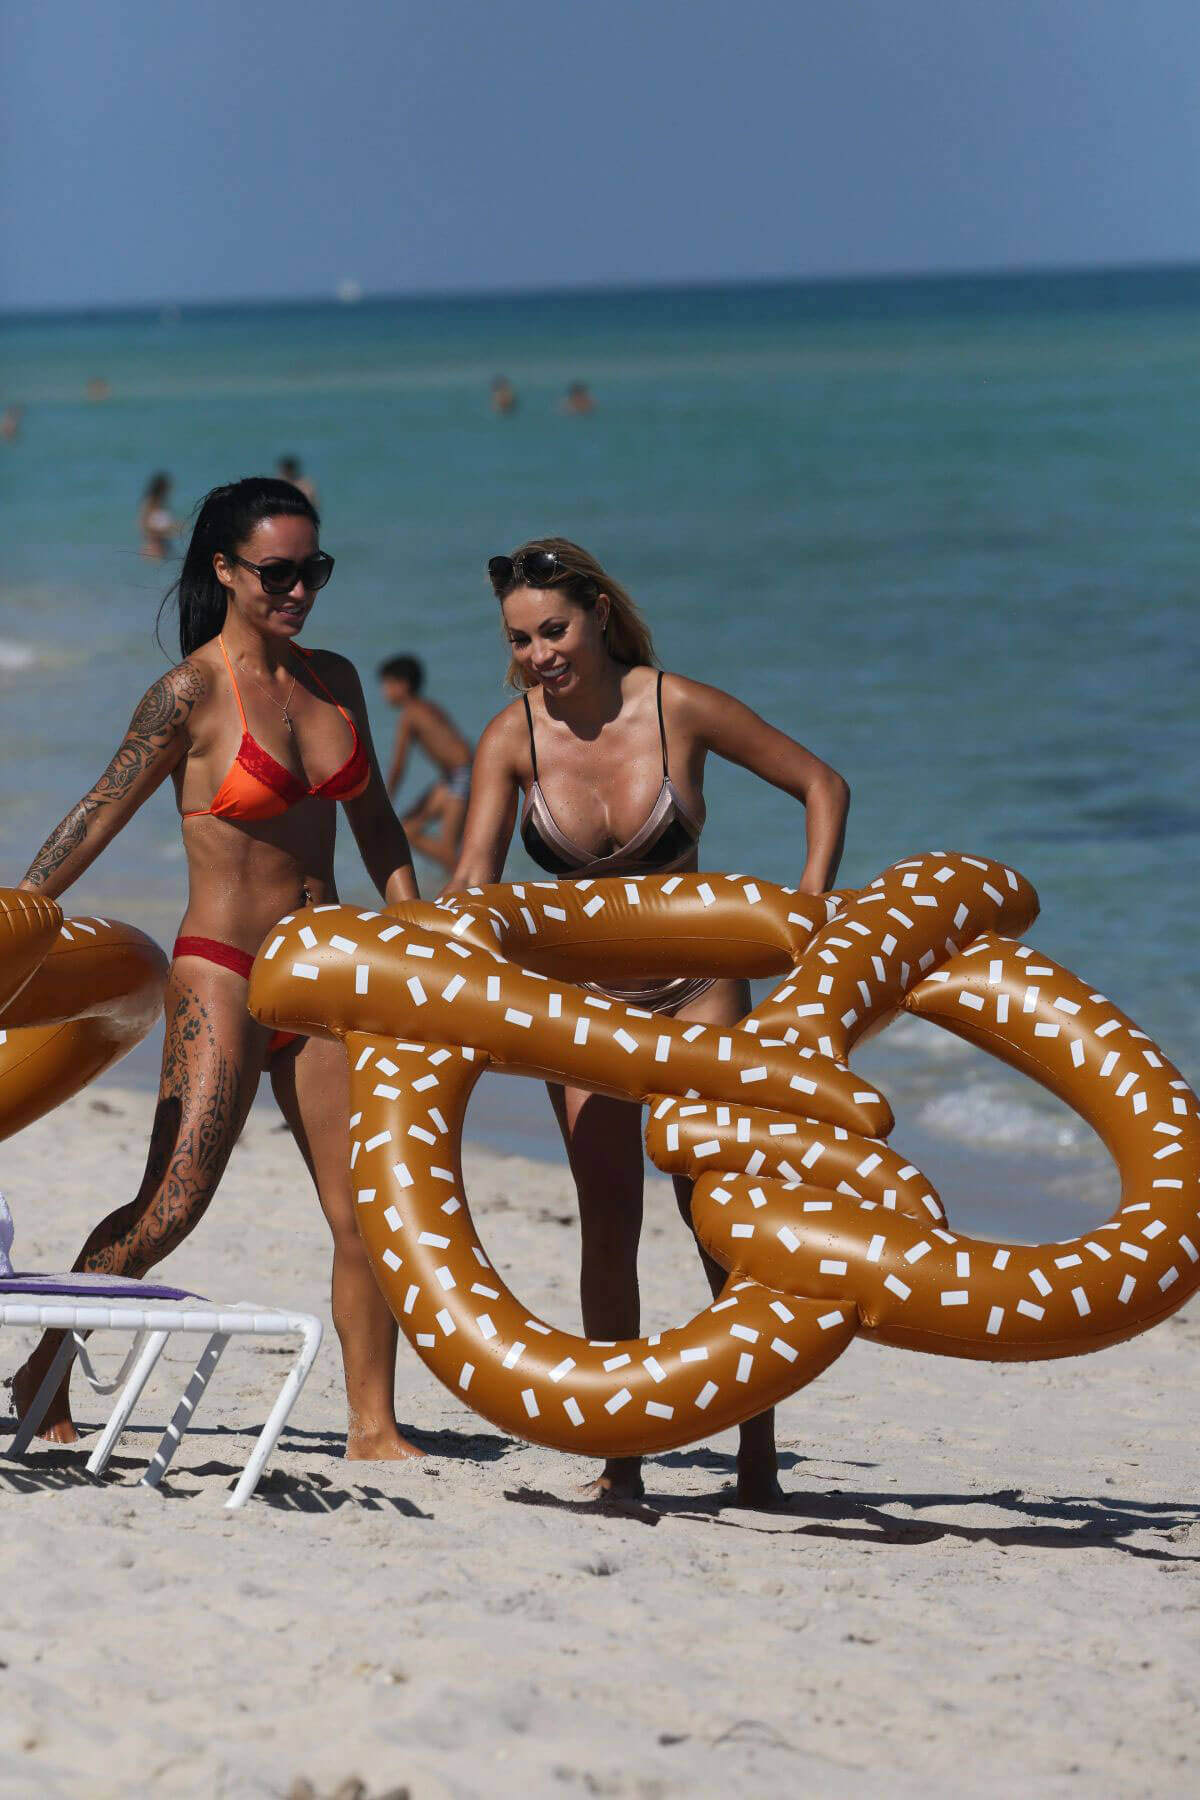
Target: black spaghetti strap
[
  {"x": 532, "y": 745},
  {"x": 662, "y": 730}
]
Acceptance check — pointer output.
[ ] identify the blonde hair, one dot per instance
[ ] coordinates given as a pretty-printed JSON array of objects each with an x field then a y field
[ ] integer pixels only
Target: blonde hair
[{"x": 582, "y": 580}]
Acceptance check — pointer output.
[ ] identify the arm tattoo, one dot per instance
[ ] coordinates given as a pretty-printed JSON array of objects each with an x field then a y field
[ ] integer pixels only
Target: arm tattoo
[
  {"x": 161, "y": 713},
  {"x": 62, "y": 842}
]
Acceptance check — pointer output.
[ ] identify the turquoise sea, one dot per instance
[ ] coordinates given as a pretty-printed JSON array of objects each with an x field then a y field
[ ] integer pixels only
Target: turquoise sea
[{"x": 943, "y": 531}]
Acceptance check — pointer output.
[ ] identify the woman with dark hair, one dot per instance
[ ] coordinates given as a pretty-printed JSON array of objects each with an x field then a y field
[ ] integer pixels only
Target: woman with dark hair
[
  {"x": 259, "y": 738},
  {"x": 609, "y": 753}
]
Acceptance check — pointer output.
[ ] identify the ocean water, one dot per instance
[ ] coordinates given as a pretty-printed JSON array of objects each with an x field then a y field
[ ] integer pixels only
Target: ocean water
[{"x": 944, "y": 532}]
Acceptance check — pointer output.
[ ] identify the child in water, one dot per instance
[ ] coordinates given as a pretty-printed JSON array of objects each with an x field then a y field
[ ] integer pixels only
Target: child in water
[
  {"x": 435, "y": 824},
  {"x": 155, "y": 522}
]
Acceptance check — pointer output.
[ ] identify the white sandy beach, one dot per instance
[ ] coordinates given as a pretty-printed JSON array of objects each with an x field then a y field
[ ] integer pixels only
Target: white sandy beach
[{"x": 987, "y": 1580}]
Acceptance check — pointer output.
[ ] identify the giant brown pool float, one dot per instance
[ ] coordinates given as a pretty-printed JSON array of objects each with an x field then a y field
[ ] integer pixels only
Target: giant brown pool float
[
  {"x": 75, "y": 996},
  {"x": 825, "y": 1230}
]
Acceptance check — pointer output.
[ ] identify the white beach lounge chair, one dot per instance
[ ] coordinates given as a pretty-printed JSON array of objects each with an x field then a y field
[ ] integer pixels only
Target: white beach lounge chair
[{"x": 79, "y": 1304}]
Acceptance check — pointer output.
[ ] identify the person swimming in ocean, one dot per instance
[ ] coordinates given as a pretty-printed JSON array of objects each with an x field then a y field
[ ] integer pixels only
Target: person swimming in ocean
[
  {"x": 435, "y": 824},
  {"x": 578, "y": 399},
  {"x": 261, "y": 739},
  {"x": 602, "y": 759},
  {"x": 289, "y": 468},
  {"x": 504, "y": 395},
  {"x": 155, "y": 522}
]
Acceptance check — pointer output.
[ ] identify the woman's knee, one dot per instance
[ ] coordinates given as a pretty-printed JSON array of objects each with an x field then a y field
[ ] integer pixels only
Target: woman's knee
[
  {"x": 189, "y": 1152},
  {"x": 165, "y": 1231},
  {"x": 147, "y": 1229},
  {"x": 347, "y": 1239},
  {"x": 341, "y": 1216}
]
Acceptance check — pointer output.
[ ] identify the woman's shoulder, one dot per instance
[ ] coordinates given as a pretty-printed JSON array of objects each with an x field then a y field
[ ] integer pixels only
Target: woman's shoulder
[
  {"x": 648, "y": 678},
  {"x": 169, "y": 701},
  {"x": 506, "y": 732},
  {"x": 697, "y": 709},
  {"x": 679, "y": 693},
  {"x": 683, "y": 691},
  {"x": 336, "y": 671},
  {"x": 329, "y": 662},
  {"x": 200, "y": 662},
  {"x": 509, "y": 720},
  {"x": 198, "y": 675}
]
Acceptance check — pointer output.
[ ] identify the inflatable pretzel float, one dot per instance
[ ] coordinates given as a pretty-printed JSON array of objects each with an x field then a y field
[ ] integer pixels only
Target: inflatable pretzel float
[
  {"x": 825, "y": 1230},
  {"x": 75, "y": 995}
]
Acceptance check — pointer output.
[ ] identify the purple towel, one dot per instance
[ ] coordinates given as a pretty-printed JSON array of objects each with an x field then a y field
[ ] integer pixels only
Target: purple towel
[{"x": 89, "y": 1287}]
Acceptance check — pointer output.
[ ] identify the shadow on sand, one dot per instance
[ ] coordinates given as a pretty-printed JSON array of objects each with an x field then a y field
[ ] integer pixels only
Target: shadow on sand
[
  {"x": 850, "y": 1515},
  {"x": 847, "y": 1514}
]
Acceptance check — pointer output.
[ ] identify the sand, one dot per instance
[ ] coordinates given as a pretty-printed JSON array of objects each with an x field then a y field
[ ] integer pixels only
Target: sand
[{"x": 987, "y": 1579}]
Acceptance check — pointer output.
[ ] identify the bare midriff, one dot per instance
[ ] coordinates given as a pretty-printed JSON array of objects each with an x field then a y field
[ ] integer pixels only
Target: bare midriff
[{"x": 243, "y": 876}]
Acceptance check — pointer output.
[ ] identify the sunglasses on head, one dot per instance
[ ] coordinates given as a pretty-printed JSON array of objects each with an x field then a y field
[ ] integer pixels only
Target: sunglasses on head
[
  {"x": 535, "y": 568},
  {"x": 280, "y": 575}
]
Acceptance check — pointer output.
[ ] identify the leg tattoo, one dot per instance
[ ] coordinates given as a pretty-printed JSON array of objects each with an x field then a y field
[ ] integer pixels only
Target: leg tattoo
[{"x": 190, "y": 1143}]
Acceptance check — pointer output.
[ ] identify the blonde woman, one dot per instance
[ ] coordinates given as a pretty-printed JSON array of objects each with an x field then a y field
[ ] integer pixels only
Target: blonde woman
[{"x": 602, "y": 758}]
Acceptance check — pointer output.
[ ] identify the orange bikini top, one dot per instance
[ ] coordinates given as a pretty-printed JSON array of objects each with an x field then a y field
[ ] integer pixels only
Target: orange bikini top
[{"x": 258, "y": 787}]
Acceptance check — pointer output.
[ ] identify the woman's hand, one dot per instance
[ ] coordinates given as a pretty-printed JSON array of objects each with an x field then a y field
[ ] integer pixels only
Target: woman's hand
[
  {"x": 382, "y": 841},
  {"x": 157, "y": 739}
]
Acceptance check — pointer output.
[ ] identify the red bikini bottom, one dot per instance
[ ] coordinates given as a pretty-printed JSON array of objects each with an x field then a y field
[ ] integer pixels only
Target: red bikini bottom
[{"x": 228, "y": 956}]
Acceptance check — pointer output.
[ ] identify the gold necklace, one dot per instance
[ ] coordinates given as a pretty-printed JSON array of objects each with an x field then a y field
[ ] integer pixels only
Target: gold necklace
[{"x": 274, "y": 702}]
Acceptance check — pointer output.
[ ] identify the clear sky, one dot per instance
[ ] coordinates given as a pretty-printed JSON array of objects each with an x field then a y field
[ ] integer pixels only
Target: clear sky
[{"x": 202, "y": 149}]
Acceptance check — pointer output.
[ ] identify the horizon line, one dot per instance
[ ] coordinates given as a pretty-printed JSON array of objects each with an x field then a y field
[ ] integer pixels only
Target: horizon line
[{"x": 575, "y": 290}]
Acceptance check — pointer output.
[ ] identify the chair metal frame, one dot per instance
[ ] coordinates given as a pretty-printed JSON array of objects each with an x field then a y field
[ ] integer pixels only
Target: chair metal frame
[{"x": 150, "y": 1326}]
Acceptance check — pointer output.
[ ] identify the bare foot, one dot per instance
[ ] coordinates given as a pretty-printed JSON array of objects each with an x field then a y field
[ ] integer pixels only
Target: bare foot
[
  {"x": 620, "y": 1479},
  {"x": 758, "y": 1465},
  {"x": 758, "y": 1484},
  {"x": 57, "y": 1424},
  {"x": 384, "y": 1445}
]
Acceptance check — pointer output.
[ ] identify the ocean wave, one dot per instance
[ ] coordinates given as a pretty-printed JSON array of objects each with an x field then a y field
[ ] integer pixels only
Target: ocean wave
[
  {"x": 15, "y": 656},
  {"x": 981, "y": 1116},
  {"x": 907, "y": 1036},
  {"x": 19, "y": 655}
]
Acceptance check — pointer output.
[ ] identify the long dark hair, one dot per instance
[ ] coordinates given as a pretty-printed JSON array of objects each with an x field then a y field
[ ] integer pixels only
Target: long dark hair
[{"x": 226, "y": 518}]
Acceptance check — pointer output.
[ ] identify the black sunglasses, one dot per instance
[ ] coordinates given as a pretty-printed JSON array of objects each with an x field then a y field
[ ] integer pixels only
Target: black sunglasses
[
  {"x": 280, "y": 575},
  {"x": 536, "y": 568}
]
